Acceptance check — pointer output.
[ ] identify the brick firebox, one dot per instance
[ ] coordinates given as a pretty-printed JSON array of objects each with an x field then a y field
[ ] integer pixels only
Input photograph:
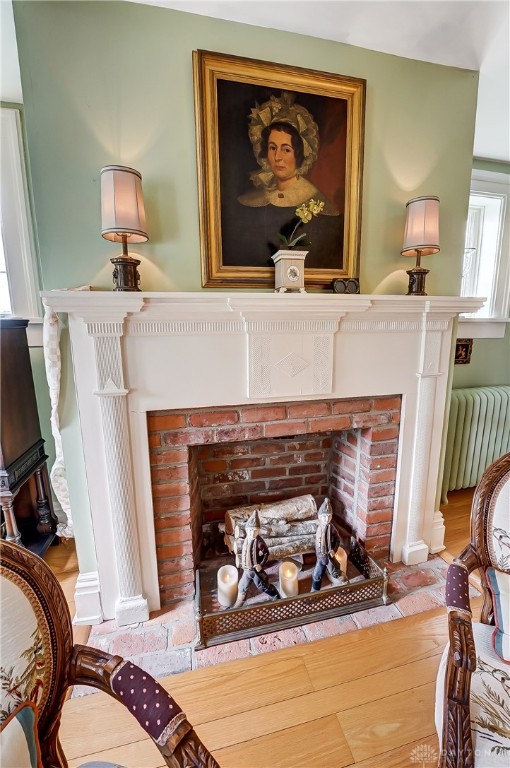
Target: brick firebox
[{"x": 204, "y": 461}]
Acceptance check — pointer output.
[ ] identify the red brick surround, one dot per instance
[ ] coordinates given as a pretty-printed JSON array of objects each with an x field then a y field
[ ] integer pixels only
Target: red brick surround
[{"x": 204, "y": 461}]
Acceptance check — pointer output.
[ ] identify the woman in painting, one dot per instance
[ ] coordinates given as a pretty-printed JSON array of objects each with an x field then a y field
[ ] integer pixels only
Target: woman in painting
[
  {"x": 285, "y": 142},
  {"x": 286, "y": 148}
]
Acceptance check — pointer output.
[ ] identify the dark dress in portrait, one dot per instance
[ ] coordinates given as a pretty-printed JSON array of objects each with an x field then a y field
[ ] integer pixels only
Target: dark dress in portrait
[{"x": 250, "y": 236}]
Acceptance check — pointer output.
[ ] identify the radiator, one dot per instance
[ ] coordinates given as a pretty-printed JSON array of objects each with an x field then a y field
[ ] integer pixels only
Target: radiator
[{"x": 478, "y": 433}]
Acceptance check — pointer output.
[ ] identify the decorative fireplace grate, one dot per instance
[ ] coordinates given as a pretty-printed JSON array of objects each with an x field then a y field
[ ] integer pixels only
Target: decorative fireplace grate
[{"x": 251, "y": 620}]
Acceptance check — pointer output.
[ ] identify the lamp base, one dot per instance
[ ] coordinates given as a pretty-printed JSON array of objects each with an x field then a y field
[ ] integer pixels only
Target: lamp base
[
  {"x": 125, "y": 275},
  {"x": 417, "y": 277}
]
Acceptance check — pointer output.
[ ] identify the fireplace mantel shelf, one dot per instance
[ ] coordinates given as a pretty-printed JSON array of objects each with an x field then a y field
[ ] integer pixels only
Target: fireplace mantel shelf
[
  {"x": 139, "y": 352},
  {"x": 110, "y": 302}
]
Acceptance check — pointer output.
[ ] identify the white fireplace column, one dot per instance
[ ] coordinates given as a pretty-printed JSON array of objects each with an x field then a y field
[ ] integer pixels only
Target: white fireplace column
[
  {"x": 131, "y": 605},
  {"x": 415, "y": 550}
]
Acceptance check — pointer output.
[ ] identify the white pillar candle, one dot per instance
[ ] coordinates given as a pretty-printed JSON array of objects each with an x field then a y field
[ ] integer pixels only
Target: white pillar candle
[
  {"x": 227, "y": 585},
  {"x": 341, "y": 558},
  {"x": 288, "y": 579}
]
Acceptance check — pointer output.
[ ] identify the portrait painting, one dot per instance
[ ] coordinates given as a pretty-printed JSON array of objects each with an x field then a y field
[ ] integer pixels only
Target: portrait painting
[{"x": 272, "y": 139}]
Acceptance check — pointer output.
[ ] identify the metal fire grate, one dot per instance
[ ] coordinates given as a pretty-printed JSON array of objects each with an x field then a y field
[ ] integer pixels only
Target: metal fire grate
[{"x": 249, "y": 621}]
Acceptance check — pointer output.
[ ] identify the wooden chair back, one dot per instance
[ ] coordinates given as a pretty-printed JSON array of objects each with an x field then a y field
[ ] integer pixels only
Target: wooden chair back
[
  {"x": 36, "y": 638},
  {"x": 490, "y": 536}
]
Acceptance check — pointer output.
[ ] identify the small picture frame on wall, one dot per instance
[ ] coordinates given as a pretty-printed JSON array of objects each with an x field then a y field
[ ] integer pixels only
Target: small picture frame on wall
[
  {"x": 270, "y": 138},
  {"x": 463, "y": 349}
]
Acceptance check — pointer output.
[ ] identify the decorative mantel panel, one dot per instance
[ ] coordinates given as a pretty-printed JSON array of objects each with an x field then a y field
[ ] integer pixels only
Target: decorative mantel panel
[
  {"x": 134, "y": 353},
  {"x": 290, "y": 358}
]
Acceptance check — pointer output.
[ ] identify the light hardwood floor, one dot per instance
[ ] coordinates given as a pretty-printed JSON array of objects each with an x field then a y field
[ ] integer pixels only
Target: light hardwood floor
[
  {"x": 363, "y": 699},
  {"x": 456, "y": 519}
]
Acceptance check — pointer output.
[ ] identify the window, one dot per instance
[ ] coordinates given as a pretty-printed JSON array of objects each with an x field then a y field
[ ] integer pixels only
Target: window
[
  {"x": 486, "y": 266},
  {"x": 19, "y": 282}
]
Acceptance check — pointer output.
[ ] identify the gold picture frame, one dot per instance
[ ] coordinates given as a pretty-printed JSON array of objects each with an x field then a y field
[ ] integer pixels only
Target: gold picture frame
[{"x": 243, "y": 206}]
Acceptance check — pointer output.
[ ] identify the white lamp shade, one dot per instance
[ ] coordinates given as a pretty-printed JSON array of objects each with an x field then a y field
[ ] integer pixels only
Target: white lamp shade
[
  {"x": 122, "y": 208},
  {"x": 422, "y": 227}
]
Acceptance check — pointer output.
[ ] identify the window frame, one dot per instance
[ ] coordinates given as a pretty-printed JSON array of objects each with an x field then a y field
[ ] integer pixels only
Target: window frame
[
  {"x": 17, "y": 228},
  {"x": 487, "y": 184}
]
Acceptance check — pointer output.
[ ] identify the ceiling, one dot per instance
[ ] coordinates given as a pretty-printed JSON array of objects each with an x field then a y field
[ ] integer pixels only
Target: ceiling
[{"x": 469, "y": 34}]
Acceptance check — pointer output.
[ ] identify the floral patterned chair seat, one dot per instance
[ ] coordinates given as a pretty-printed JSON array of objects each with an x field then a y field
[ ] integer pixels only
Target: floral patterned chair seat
[{"x": 473, "y": 684}]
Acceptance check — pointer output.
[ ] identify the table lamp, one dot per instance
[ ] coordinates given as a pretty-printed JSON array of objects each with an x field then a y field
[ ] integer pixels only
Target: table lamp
[
  {"x": 123, "y": 220},
  {"x": 421, "y": 238}
]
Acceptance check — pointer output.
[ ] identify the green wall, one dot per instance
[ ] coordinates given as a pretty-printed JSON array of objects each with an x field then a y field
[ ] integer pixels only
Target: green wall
[
  {"x": 490, "y": 364},
  {"x": 111, "y": 82}
]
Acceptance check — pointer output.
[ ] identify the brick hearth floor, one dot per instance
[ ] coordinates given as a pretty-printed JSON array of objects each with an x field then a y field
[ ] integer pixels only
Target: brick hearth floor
[{"x": 164, "y": 644}]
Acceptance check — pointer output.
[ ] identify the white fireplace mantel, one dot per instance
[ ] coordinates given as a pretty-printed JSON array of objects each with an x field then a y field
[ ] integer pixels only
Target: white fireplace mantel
[{"x": 138, "y": 352}]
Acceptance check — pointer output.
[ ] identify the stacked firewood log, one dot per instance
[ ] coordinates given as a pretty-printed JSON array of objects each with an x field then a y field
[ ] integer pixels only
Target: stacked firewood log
[{"x": 288, "y": 527}]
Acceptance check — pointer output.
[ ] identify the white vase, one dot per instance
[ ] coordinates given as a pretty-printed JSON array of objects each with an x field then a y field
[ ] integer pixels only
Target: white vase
[{"x": 289, "y": 274}]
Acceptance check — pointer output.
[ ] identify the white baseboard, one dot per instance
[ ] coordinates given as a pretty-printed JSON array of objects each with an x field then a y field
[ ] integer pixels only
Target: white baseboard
[
  {"x": 87, "y": 599},
  {"x": 437, "y": 534}
]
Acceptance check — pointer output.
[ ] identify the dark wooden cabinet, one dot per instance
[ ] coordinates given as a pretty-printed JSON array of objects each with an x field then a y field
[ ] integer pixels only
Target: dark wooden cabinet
[{"x": 28, "y": 514}]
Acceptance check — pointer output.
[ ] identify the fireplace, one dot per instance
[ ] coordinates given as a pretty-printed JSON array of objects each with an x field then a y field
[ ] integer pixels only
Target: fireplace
[
  {"x": 141, "y": 357},
  {"x": 205, "y": 461}
]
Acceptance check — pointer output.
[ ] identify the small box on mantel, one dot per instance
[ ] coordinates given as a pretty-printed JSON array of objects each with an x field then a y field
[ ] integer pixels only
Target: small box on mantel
[{"x": 289, "y": 268}]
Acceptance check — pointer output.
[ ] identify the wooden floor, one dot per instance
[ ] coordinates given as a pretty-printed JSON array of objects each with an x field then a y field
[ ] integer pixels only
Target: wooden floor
[
  {"x": 456, "y": 519},
  {"x": 363, "y": 699}
]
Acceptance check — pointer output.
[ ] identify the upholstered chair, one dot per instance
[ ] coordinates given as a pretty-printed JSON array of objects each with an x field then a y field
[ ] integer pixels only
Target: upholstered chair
[
  {"x": 473, "y": 686},
  {"x": 39, "y": 663}
]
